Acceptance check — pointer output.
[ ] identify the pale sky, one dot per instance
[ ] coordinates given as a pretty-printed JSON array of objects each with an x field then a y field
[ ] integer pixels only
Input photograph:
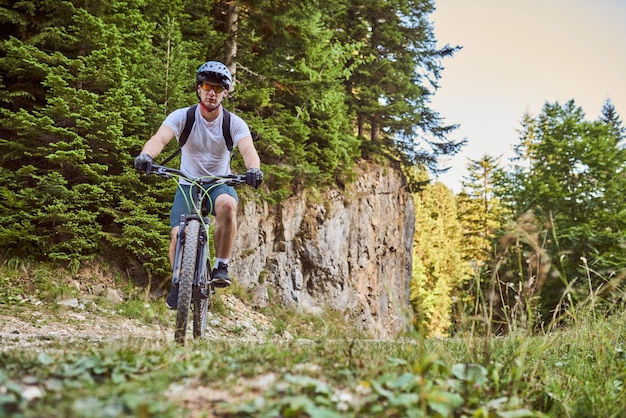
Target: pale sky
[{"x": 517, "y": 55}]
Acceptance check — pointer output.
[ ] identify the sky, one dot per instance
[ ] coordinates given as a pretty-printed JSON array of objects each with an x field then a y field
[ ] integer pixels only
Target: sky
[{"x": 517, "y": 55}]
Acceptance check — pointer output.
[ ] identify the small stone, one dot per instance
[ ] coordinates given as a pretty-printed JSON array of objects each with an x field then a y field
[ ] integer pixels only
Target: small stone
[
  {"x": 72, "y": 303},
  {"x": 113, "y": 296}
]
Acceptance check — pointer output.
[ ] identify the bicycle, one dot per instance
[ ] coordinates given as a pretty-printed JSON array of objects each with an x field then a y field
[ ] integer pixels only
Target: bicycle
[{"x": 192, "y": 263}]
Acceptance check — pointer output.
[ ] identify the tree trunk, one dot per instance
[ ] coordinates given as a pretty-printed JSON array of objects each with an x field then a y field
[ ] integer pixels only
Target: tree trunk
[
  {"x": 230, "y": 49},
  {"x": 360, "y": 128},
  {"x": 375, "y": 130}
]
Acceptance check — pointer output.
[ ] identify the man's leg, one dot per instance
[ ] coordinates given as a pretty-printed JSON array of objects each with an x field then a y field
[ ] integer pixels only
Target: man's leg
[
  {"x": 172, "y": 249},
  {"x": 179, "y": 207},
  {"x": 172, "y": 298},
  {"x": 224, "y": 235}
]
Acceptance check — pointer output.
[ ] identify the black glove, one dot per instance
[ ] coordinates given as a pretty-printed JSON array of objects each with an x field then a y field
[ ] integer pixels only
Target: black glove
[
  {"x": 254, "y": 177},
  {"x": 143, "y": 162}
]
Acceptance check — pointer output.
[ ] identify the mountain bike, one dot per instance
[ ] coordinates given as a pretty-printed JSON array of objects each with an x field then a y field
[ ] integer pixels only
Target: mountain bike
[{"x": 192, "y": 261}]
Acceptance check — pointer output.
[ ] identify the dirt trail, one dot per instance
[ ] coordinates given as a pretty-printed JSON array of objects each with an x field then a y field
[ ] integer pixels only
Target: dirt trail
[{"x": 36, "y": 326}]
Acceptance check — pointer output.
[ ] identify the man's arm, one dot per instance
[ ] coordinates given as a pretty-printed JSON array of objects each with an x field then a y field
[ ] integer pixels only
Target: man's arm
[
  {"x": 158, "y": 141},
  {"x": 248, "y": 153}
]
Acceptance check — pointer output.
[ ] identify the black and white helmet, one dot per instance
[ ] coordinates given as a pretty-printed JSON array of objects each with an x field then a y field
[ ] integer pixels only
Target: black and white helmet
[{"x": 214, "y": 71}]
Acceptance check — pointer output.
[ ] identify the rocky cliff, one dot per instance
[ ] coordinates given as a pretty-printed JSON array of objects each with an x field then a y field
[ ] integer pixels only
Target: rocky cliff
[{"x": 349, "y": 250}]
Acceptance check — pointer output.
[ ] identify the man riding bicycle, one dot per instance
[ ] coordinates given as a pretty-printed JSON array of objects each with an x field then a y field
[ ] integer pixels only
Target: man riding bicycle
[{"x": 206, "y": 153}]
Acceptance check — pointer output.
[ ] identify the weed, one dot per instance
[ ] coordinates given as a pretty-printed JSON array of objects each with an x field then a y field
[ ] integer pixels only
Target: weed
[{"x": 218, "y": 307}]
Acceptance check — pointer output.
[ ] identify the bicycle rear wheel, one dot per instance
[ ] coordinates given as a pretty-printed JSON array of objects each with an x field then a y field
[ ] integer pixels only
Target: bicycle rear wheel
[{"x": 185, "y": 284}]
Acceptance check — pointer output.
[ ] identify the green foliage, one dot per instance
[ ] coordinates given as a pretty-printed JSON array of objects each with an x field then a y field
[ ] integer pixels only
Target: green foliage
[
  {"x": 576, "y": 371},
  {"x": 483, "y": 216},
  {"x": 480, "y": 209},
  {"x": 63, "y": 151},
  {"x": 394, "y": 74},
  {"x": 296, "y": 100},
  {"x": 83, "y": 85},
  {"x": 23, "y": 284},
  {"x": 438, "y": 266},
  {"x": 571, "y": 178},
  {"x": 553, "y": 224}
]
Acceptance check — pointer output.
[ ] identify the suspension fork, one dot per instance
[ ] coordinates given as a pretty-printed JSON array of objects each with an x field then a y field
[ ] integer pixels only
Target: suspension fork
[
  {"x": 203, "y": 249},
  {"x": 203, "y": 253},
  {"x": 178, "y": 253}
]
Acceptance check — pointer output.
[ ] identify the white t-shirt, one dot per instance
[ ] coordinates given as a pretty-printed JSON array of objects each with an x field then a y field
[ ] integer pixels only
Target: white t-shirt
[{"x": 205, "y": 152}]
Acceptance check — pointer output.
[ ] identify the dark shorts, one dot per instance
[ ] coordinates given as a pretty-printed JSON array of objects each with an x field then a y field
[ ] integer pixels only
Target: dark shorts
[{"x": 182, "y": 202}]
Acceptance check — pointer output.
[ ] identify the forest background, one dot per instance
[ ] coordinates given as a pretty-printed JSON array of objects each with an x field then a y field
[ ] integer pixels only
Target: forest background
[{"x": 83, "y": 84}]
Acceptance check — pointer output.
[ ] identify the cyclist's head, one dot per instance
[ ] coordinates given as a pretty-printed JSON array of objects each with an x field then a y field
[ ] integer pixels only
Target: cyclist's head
[{"x": 215, "y": 72}]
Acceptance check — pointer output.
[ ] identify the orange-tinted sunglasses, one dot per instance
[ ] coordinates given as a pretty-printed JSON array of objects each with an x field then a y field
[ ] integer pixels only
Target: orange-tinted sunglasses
[{"x": 209, "y": 87}]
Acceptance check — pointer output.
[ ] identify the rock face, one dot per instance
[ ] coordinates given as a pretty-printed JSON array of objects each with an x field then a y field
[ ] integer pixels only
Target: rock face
[{"x": 349, "y": 250}]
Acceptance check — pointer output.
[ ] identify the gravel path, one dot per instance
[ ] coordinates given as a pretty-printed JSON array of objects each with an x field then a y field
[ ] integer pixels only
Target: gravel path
[{"x": 35, "y": 326}]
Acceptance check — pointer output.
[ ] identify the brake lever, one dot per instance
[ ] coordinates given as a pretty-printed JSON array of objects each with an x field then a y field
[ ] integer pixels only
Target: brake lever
[{"x": 162, "y": 172}]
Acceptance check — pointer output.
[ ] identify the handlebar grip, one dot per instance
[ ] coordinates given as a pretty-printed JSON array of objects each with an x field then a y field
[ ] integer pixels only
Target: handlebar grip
[{"x": 236, "y": 179}]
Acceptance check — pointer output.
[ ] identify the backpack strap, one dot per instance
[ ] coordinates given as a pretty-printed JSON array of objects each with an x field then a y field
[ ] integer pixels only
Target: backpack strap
[
  {"x": 191, "y": 119},
  {"x": 226, "y": 130}
]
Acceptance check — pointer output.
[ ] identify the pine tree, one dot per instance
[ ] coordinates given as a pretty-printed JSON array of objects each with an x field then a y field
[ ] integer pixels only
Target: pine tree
[
  {"x": 291, "y": 93},
  {"x": 480, "y": 209},
  {"x": 439, "y": 268},
  {"x": 482, "y": 215},
  {"x": 390, "y": 89},
  {"x": 573, "y": 183},
  {"x": 84, "y": 84},
  {"x": 66, "y": 148}
]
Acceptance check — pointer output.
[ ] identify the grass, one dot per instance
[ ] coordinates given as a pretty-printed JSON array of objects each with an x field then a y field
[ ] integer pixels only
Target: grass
[
  {"x": 571, "y": 373},
  {"x": 326, "y": 369}
]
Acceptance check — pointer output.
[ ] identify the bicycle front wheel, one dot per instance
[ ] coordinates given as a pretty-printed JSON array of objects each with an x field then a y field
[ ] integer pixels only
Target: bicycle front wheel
[
  {"x": 187, "y": 274},
  {"x": 201, "y": 305}
]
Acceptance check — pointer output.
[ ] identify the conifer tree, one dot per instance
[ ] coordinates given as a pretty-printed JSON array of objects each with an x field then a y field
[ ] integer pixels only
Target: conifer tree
[
  {"x": 390, "y": 90},
  {"x": 573, "y": 183},
  {"x": 480, "y": 210},
  {"x": 482, "y": 216},
  {"x": 68, "y": 137},
  {"x": 292, "y": 93},
  {"x": 84, "y": 84},
  {"x": 439, "y": 268}
]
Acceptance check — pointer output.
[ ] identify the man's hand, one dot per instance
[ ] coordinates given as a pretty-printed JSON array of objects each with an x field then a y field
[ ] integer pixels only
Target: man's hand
[
  {"x": 143, "y": 162},
  {"x": 254, "y": 177}
]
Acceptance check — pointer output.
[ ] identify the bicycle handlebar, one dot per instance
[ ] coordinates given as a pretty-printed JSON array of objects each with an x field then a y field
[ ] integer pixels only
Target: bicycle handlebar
[{"x": 168, "y": 172}]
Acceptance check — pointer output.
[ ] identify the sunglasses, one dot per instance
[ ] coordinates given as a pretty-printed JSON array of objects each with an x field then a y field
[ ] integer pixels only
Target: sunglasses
[{"x": 216, "y": 89}]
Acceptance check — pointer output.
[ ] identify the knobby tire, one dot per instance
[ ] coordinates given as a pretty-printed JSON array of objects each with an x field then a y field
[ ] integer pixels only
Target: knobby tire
[
  {"x": 201, "y": 305},
  {"x": 185, "y": 284}
]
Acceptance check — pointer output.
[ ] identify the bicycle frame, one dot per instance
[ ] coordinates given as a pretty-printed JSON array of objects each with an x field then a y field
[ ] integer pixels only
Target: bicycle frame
[{"x": 191, "y": 264}]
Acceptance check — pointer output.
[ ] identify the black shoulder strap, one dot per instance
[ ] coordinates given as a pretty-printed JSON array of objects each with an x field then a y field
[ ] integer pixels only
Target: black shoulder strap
[
  {"x": 226, "y": 130},
  {"x": 191, "y": 119}
]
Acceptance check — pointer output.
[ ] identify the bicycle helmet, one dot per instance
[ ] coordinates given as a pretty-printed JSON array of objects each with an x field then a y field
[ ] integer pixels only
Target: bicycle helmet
[{"x": 214, "y": 71}]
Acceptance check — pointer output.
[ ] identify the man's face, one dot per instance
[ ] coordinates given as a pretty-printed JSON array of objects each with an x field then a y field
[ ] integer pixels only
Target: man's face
[{"x": 212, "y": 93}]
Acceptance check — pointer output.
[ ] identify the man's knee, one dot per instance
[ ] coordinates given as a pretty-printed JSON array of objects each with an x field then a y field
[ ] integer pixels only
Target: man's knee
[{"x": 226, "y": 206}]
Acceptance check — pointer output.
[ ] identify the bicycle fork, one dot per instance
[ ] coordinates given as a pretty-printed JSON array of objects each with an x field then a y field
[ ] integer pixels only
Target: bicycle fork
[
  {"x": 202, "y": 279},
  {"x": 203, "y": 264}
]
